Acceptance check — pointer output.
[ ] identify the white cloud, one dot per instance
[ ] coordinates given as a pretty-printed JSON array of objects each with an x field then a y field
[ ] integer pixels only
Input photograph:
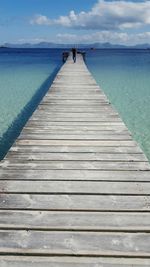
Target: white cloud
[
  {"x": 104, "y": 16},
  {"x": 41, "y": 20}
]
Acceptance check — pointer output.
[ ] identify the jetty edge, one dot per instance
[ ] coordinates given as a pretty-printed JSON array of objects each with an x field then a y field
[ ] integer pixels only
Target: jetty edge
[{"x": 74, "y": 188}]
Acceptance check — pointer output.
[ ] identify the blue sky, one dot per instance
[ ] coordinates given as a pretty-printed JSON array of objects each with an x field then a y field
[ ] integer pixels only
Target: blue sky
[{"x": 75, "y": 21}]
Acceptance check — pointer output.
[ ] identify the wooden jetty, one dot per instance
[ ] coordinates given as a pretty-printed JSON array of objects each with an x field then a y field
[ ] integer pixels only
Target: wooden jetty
[{"x": 75, "y": 186}]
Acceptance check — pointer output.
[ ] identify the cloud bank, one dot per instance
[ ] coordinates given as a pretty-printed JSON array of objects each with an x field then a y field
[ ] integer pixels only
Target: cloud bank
[{"x": 104, "y": 16}]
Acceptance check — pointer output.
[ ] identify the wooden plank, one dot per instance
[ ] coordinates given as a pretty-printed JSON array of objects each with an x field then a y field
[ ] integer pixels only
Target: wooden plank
[
  {"x": 69, "y": 175},
  {"x": 117, "y": 143},
  {"x": 74, "y": 165},
  {"x": 75, "y": 243},
  {"x": 46, "y": 136},
  {"x": 81, "y": 82},
  {"x": 62, "y": 104},
  {"x": 75, "y": 128},
  {"x": 77, "y": 116},
  {"x": 77, "y": 119},
  {"x": 78, "y": 156},
  {"x": 77, "y": 221},
  {"x": 77, "y": 109},
  {"x": 74, "y": 97},
  {"x": 50, "y": 132},
  {"x": 84, "y": 90},
  {"x": 76, "y": 86},
  {"x": 75, "y": 101},
  {"x": 75, "y": 187},
  {"x": 23, "y": 261},
  {"x": 75, "y": 202},
  {"x": 62, "y": 123},
  {"x": 74, "y": 149}
]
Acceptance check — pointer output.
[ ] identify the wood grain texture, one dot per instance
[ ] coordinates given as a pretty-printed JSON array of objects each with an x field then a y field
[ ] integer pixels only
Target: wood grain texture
[
  {"x": 75, "y": 221},
  {"x": 74, "y": 175},
  {"x": 23, "y": 261},
  {"x": 75, "y": 186},
  {"x": 75, "y": 243}
]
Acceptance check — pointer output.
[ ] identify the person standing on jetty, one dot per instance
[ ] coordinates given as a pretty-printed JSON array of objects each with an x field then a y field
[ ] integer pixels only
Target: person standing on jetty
[{"x": 74, "y": 54}]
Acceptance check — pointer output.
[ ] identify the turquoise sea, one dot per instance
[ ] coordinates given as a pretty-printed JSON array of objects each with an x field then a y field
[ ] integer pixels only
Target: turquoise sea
[
  {"x": 26, "y": 74},
  {"x": 124, "y": 76}
]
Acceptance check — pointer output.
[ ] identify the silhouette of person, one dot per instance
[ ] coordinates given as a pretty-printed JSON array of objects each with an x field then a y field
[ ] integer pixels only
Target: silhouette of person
[{"x": 74, "y": 54}]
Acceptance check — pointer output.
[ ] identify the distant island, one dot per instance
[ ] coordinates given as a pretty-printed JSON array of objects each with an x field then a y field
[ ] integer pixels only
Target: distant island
[
  {"x": 3, "y": 46},
  {"x": 80, "y": 46}
]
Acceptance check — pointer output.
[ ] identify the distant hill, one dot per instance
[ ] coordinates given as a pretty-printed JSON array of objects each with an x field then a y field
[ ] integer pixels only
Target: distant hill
[
  {"x": 142, "y": 46},
  {"x": 54, "y": 45}
]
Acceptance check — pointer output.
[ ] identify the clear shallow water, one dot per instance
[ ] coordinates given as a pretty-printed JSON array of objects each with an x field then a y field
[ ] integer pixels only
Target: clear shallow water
[
  {"x": 25, "y": 76},
  {"x": 124, "y": 75}
]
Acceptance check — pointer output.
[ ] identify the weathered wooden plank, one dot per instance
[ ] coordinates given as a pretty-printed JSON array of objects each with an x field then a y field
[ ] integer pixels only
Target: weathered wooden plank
[
  {"x": 83, "y": 117},
  {"x": 47, "y": 136},
  {"x": 76, "y": 110},
  {"x": 82, "y": 125},
  {"x": 74, "y": 149},
  {"x": 76, "y": 115},
  {"x": 74, "y": 86},
  {"x": 75, "y": 101},
  {"x": 74, "y": 97},
  {"x": 77, "y": 221},
  {"x": 66, "y": 77},
  {"x": 71, "y": 79},
  {"x": 70, "y": 93},
  {"x": 58, "y": 105},
  {"x": 117, "y": 143},
  {"x": 75, "y": 132},
  {"x": 61, "y": 123},
  {"x": 77, "y": 119},
  {"x": 75, "y": 187},
  {"x": 75, "y": 202},
  {"x": 23, "y": 261},
  {"x": 75, "y": 243},
  {"x": 76, "y": 94},
  {"x": 48, "y": 131},
  {"x": 83, "y": 90},
  {"x": 81, "y": 82},
  {"x": 78, "y": 156},
  {"x": 81, "y": 79},
  {"x": 74, "y": 165},
  {"x": 96, "y": 175},
  {"x": 78, "y": 128},
  {"x": 75, "y": 89}
]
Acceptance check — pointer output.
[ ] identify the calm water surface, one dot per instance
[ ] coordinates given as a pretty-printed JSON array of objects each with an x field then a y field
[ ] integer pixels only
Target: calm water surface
[
  {"x": 124, "y": 75},
  {"x": 25, "y": 76}
]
